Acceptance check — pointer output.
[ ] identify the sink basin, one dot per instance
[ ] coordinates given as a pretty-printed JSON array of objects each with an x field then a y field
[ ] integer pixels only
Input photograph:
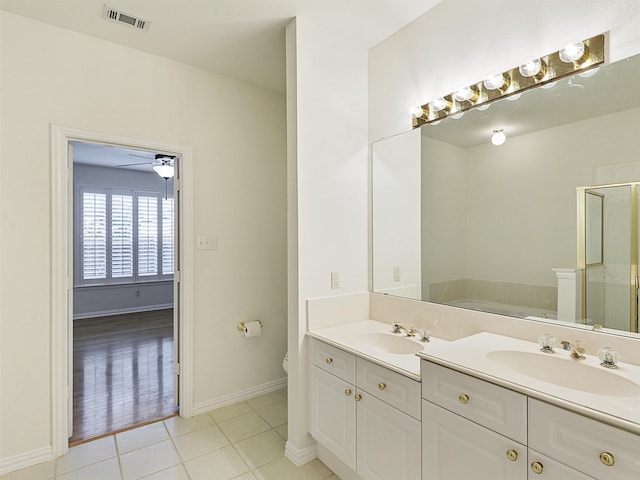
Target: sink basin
[
  {"x": 389, "y": 343},
  {"x": 566, "y": 372}
]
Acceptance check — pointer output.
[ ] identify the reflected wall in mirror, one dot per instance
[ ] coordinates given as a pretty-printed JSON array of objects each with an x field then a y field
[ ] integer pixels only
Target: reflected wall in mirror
[{"x": 459, "y": 221}]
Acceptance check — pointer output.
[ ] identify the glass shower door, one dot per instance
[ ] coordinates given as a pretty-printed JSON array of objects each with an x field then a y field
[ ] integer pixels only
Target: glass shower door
[{"x": 608, "y": 255}]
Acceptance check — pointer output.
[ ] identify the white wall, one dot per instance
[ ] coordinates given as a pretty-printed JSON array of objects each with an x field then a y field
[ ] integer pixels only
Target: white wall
[
  {"x": 327, "y": 130},
  {"x": 54, "y": 75}
]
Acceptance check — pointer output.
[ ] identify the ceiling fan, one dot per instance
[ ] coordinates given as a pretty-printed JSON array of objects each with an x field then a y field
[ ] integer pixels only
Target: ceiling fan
[{"x": 162, "y": 164}]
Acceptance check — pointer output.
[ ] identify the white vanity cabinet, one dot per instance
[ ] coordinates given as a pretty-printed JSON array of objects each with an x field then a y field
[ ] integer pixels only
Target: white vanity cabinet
[
  {"x": 366, "y": 415},
  {"x": 602, "y": 451},
  {"x": 471, "y": 429}
]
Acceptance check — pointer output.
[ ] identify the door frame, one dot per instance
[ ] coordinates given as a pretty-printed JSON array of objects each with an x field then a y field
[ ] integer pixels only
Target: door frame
[{"x": 62, "y": 269}]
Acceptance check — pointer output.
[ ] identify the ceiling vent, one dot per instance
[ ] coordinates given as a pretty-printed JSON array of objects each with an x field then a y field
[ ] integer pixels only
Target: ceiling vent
[{"x": 125, "y": 19}]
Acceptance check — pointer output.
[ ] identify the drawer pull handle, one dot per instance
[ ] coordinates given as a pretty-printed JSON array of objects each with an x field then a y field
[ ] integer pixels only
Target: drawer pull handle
[
  {"x": 348, "y": 392},
  {"x": 512, "y": 455},
  {"x": 607, "y": 459},
  {"x": 537, "y": 467},
  {"x": 329, "y": 360},
  {"x": 382, "y": 386},
  {"x": 358, "y": 397},
  {"x": 464, "y": 398}
]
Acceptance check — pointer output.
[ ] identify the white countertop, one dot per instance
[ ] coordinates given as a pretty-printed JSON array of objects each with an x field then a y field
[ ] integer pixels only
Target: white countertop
[
  {"x": 348, "y": 337},
  {"x": 471, "y": 355}
]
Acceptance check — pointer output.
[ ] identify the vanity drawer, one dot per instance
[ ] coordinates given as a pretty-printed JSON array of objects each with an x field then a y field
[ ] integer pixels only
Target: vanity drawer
[
  {"x": 333, "y": 360},
  {"x": 497, "y": 408},
  {"x": 583, "y": 443},
  {"x": 391, "y": 387}
]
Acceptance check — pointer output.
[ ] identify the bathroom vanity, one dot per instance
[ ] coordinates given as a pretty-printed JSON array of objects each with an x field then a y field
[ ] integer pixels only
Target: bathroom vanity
[{"x": 391, "y": 407}]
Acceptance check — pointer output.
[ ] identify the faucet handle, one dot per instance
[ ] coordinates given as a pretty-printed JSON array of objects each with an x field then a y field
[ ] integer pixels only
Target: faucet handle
[
  {"x": 609, "y": 357},
  {"x": 547, "y": 342},
  {"x": 396, "y": 327},
  {"x": 425, "y": 335}
]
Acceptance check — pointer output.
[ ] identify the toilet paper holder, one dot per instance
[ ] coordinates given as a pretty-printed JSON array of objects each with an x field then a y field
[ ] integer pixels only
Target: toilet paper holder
[{"x": 240, "y": 326}]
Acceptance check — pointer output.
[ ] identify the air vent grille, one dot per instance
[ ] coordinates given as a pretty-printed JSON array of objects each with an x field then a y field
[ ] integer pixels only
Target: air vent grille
[{"x": 125, "y": 19}]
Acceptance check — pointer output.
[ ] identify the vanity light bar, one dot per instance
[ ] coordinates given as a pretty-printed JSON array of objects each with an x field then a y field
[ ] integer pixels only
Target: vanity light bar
[{"x": 575, "y": 58}]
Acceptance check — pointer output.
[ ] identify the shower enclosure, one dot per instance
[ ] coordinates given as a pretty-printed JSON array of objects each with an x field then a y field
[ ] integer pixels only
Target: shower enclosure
[{"x": 608, "y": 254}]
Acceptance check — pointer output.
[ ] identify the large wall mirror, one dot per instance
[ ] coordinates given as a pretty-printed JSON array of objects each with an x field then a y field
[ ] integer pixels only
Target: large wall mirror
[{"x": 508, "y": 229}]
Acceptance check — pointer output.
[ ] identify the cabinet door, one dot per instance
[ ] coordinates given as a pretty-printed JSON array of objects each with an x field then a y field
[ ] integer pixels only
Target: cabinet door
[
  {"x": 544, "y": 468},
  {"x": 456, "y": 448},
  {"x": 388, "y": 441},
  {"x": 333, "y": 414}
]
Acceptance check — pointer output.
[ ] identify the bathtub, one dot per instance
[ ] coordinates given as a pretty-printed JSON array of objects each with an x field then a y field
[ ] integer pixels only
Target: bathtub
[{"x": 503, "y": 308}]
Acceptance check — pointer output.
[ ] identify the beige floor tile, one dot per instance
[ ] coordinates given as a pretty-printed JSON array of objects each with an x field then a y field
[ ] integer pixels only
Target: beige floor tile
[
  {"x": 42, "y": 471},
  {"x": 283, "y": 430},
  {"x": 275, "y": 414},
  {"x": 261, "y": 449},
  {"x": 199, "y": 442},
  {"x": 230, "y": 411},
  {"x": 223, "y": 464},
  {"x": 246, "y": 476},
  {"x": 174, "y": 473},
  {"x": 179, "y": 426},
  {"x": 244, "y": 426},
  {"x": 283, "y": 469},
  {"x": 87, "y": 454},
  {"x": 264, "y": 400},
  {"x": 148, "y": 460},
  {"x": 107, "y": 470},
  {"x": 141, "y": 437}
]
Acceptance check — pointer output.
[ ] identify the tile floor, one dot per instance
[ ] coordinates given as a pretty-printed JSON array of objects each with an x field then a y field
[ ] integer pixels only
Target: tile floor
[{"x": 244, "y": 441}]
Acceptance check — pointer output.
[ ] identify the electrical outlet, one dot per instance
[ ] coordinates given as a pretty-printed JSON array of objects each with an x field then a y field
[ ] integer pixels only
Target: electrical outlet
[
  {"x": 335, "y": 279},
  {"x": 396, "y": 274}
]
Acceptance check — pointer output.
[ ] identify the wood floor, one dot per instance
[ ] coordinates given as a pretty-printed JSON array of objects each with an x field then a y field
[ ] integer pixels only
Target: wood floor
[{"x": 122, "y": 372}]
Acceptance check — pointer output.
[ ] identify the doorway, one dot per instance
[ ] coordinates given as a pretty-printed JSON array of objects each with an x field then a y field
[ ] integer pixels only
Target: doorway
[
  {"x": 123, "y": 283},
  {"x": 62, "y": 196}
]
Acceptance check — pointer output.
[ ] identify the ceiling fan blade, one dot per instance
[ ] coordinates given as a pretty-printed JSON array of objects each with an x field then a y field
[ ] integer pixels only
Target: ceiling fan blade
[{"x": 134, "y": 164}]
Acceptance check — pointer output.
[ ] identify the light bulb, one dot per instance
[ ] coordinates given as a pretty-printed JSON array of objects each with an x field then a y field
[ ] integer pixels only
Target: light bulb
[
  {"x": 589, "y": 73},
  {"x": 457, "y": 115},
  {"x": 484, "y": 106},
  {"x": 417, "y": 112},
  {"x": 498, "y": 137},
  {"x": 438, "y": 104},
  {"x": 496, "y": 81},
  {"x": 573, "y": 52},
  {"x": 465, "y": 93},
  {"x": 548, "y": 85},
  {"x": 513, "y": 98},
  {"x": 531, "y": 68}
]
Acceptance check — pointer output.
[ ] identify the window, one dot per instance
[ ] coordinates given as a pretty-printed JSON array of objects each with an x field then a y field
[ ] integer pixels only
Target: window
[{"x": 124, "y": 236}]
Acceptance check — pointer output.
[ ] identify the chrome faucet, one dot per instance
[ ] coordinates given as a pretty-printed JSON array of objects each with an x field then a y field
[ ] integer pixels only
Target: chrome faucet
[
  {"x": 398, "y": 328},
  {"x": 577, "y": 350}
]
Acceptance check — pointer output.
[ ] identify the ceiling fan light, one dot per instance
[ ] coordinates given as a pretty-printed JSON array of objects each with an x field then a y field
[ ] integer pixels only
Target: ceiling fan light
[{"x": 165, "y": 171}]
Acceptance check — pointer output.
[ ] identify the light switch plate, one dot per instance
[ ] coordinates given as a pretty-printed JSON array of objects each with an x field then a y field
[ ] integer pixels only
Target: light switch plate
[{"x": 207, "y": 243}]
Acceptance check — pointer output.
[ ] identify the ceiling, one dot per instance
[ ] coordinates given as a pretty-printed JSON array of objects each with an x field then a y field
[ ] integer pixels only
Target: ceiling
[{"x": 243, "y": 39}]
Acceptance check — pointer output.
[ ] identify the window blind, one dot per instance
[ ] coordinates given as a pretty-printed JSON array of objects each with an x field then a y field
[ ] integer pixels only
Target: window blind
[{"x": 94, "y": 236}]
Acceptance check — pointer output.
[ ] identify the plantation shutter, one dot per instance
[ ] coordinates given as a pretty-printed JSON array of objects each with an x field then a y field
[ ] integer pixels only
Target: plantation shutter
[
  {"x": 167, "y": 236},
  {"x": 94, "y": 235},
  {"x": 147, "y": 236},
  {"x": 121, "y": 236}
]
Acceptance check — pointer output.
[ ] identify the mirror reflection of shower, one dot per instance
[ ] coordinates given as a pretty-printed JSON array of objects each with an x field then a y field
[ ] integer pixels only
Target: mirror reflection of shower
[{"x": 608, "y": 254}]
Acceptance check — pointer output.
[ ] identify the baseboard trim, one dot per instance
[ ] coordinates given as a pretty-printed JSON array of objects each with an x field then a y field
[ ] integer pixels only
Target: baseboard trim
[
  {"x": 240, "y": 396},
  {"x": 120, "y": 311},
  {"x": 25, "y": 460},
  {"x": 300, "y": 456}
]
